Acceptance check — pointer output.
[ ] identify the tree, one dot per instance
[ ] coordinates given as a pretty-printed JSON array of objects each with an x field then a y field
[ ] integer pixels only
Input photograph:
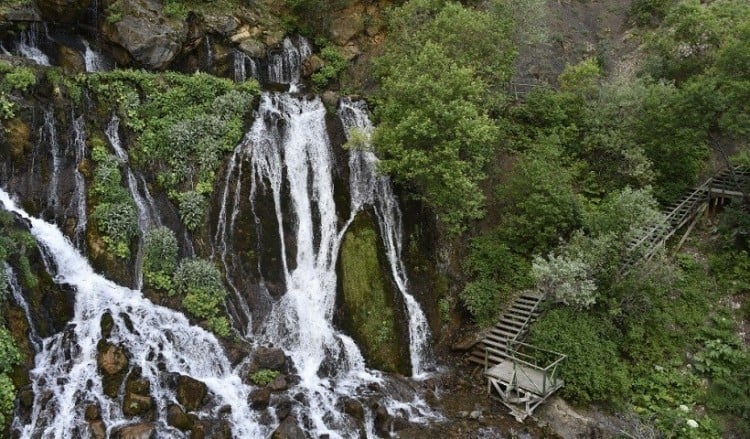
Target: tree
[{"x": 434, "y": 131}]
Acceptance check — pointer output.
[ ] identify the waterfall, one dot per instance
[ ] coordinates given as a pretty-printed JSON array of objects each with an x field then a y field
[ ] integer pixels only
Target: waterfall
[
  {"x": 48, "y": 137},
  {"x": 78, "y": 202},
  {"x": 285, "y": 66},
  {"x": 241, "y": 62},
  {"x": 367, "y": 187},
  {"x": 17, "y": 294},
  {"x": 148, "y": 216},
  {"x": 288, "y": 146},
  {"x": 29, "y": 42},
  {"x": 160, "y": 341},
  {"x": 92, "y": 59}
]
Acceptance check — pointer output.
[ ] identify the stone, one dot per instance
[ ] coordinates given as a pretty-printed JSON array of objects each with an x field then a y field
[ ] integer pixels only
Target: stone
[
  {"x": 330, "y": 98},
  {"x": 311, "y": 64},
  {"x": 353, "y": 408},
  {"x": 269, "y": 358},
  {"x": 279, "y": 384},
  {"x": 98, "y": 430},
  {"x": 383, "y": 421},
  {"x": 18, "y": 136},
  {"x": 140, "y": 386},
  {"x": 198, "y": 431},
  {"x": 259, "y": 398},
  {"x": 135, "y": 404},
  {"x": 26, "y": 397},
  {"x": 253, "y": 48},
  {"x": 92, "y": 413},
  {"x": 190, "y": 392},
  {"x": 137, "y": 431},
  {"x": 283, "y": 408},
  {"x": 112, "y": 359},
  {"x": 177, "y": 418},
  {"x": 70, "y": 60},
  {"x": 288, "y": 429},
  {"x": 347, "y": 24},
  {"x": 150, "y": 38},
  {"x": 62, "y": 11}
]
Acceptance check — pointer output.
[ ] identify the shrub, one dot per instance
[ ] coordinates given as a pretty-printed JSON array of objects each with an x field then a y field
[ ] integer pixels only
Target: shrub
[
  {"x": 335, "y": 63},
  {"x": 159, "y": 257},
  {"x": 118, "y": 223},
  {"x": 593, "y": 370},
  {"x": 483, "y": 299},
  {"x": 192, "y": 208},
  {"x": 263, "y": 377},
  {"x": 199, "y": 283}
]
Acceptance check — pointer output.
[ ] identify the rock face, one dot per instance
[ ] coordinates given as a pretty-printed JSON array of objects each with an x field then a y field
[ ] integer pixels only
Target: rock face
[
  {"x": 367, "y": 299},
  {"x": 143, "y": 31},
  {"x": 190, "y": 392},
  {"x": 65, "y": 11}
]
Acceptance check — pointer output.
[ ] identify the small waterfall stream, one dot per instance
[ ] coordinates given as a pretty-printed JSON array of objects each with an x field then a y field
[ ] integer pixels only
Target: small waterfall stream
[
  {"x": 30, "y": 42},
  {"x": 17, "y": 293},
  {"x": 367, "y": 187},
  {"x": 148, "y": 216},
  {"x": 78, "y": 202},
  {"x": 66, "y": 376}
]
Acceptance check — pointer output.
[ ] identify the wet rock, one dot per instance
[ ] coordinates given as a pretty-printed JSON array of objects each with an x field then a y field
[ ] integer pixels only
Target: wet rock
[
  {"x": 330, "y": 98},
  {"x": 177, "y": 418},
  {"x": 146, "y": 34},
  {"x": 353, "y": 408},
  {"x": 137, "y": 431},
  {"x": 92, "y": 412},
  {"x": 71, "y": 60},
  {"x": 259, "y": 398},
  {"x": 112, "y": 359},
  {"x": 18, "y": 137},
  {"x": 198, "y": 431},
  {"x": 288, "y": 429},
  {"x": 98, "y": 430},
  {"x": 269, "y": 358},
  {"x": 383, "y": 421},
  {"x": 135, "y": 404},
  {"x": 279, "y": 384},
  {"x": 106, "y": 323},
  {"x": 138, "y": 385},
  {"x": 62, "y": 11},
  {"x": 26, "y": 397},
  {"x": 190, "y": 392},
  {"x": 283, "y": 408},
  {"x": 312, "y": 64}
]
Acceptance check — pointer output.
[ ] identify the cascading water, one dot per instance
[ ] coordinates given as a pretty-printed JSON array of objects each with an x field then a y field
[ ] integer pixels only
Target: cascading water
[
  {"x": 29, "y": 42},
  {"x": 241, "y": 63},
  {"x": 290, "y": 162},
  {"x": 78, "y": 202},
  {"x": 285, "y": 66},
  {"x": 93, "y": 60},
  {"x": 48, "y": 137},
  {"x": 17, "y": 294},
  {"x": 367, "y": 187},
  {"x": 160, "y": 341},
  {"x": 148, "y": 216}
]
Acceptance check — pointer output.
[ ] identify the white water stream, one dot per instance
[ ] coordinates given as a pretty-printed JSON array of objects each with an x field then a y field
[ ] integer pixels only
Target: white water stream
[
  {"x": 367, "y": 187},
  {"x": 66, "y": 376}
]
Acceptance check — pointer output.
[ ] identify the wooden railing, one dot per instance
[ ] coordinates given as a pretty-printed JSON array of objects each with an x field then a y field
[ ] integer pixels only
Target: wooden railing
[{"x": 525, "y": 364}]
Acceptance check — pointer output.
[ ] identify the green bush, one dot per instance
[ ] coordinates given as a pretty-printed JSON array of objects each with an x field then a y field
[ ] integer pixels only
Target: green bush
[
  {"x": 335, "y": 63},
  {"x": 7, "y": 398},
  {"x": 16, "y": 78},
  {"x": 483, "y": 298},
  {"x": 263, "y": 377},
  {"x": 593, "y": 370},
  {"x": 159, "y": 257},
  {"x": 199, "y": 283},
  {"x": 192, "y": 209}
]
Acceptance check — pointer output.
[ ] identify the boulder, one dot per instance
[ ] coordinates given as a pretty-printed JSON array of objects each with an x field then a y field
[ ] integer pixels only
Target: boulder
[
  {"x": 112, "y": 359},
  {"x": 62, "y": 11},
  {"x": 279, "y": 384},
  {"x": 353, "y": 408},
  {"x": 177, "y": 418},
  {"x": 70, "y": 60},
  {"x": 190, "y": 392},
  {"x": 269, "y": 358},
  {"x": 259, "y": 398},
  {"x": 92, "y": 413},
  {"x": 137, "y": 431},
  {"x": 283, "y": 408},
  {"x": 135, "y": 404},
  {"x": 288, "y": 429},
  {"x": 383, "y": 421},
  {"x": 311, "y": 64},
  {"x": 143, "y": 31},
  {"x": 98, "y": 430}
]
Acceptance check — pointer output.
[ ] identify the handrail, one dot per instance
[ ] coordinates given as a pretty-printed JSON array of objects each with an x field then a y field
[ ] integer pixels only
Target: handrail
[{"x": 528, "y": 318}]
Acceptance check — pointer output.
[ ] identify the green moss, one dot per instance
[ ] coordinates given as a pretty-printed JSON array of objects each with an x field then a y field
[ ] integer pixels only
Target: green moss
[{"x": 368, "y": 300}]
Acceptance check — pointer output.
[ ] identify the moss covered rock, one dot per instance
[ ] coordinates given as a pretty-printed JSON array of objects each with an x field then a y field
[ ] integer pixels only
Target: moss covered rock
[{"x": 368, "y": 307}]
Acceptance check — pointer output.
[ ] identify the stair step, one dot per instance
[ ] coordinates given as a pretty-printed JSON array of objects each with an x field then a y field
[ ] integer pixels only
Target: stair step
[
  {"x": 508, "y": 328},
  {"x": 501, "y": 333}
]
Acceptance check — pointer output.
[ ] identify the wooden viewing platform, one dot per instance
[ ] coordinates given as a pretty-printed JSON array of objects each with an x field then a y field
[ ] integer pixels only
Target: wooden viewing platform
[{"x": 524, "y": 381}]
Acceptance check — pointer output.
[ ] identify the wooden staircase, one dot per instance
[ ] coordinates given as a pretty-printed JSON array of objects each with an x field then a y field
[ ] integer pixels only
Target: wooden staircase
[
  {"x": 725, "y": 184},
  {"x": 512, "y": 326}
]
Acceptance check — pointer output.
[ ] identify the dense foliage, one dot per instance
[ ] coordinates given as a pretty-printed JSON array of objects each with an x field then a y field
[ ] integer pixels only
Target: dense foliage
[
  {"x": 434, "y": 131},
  {"x": 200, "y": 285},
  {"x": 159, "y": 258},
  {"x": 183, "y": 125}
]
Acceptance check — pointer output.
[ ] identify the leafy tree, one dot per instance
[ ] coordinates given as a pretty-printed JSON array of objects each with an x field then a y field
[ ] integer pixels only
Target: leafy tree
[{"x": 434, "y": 133}]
